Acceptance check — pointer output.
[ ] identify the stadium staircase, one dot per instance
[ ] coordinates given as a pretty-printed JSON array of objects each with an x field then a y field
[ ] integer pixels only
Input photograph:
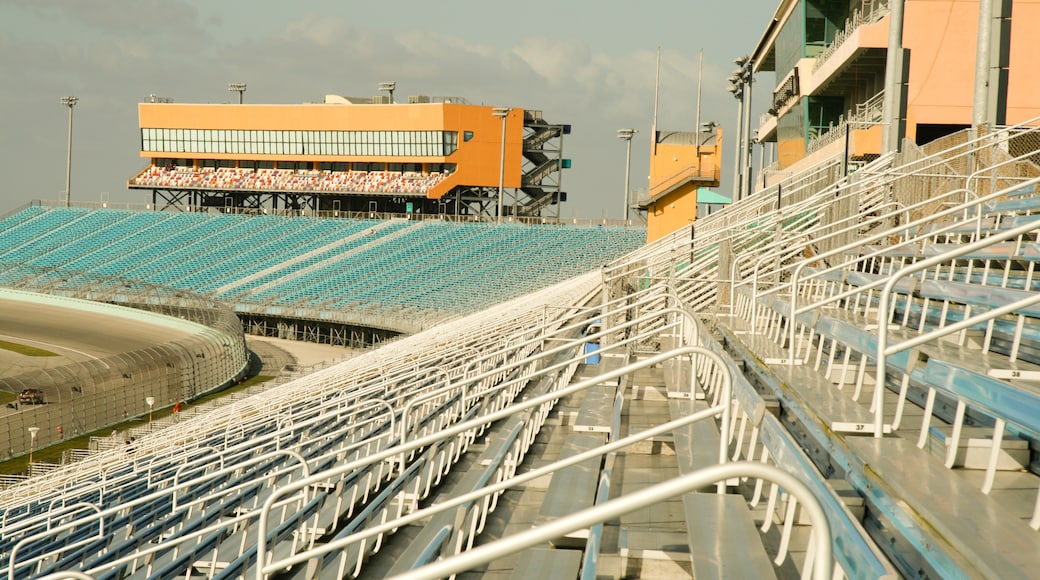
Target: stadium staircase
[{"x": 542, "y": 172}]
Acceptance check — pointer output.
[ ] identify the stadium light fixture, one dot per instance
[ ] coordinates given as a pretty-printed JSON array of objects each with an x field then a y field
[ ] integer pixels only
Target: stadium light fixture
[
  {"x": 150, "y": 401},
  {"x": 70, "y": 102},
  {"x": 502, "y": 113},
  {"x": 706, "y": 127},
  {"x": 237, "y": 87},
  {"x": 626, "y": 135},
  {"x": 32, "y": 443},
  {"x": 388, "y": 87}
]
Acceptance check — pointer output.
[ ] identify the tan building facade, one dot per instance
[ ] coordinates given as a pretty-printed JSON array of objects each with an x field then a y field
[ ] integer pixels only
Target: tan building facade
[
  {"x": 681, "y": 163},
  {"x": 829, "y": 59}
]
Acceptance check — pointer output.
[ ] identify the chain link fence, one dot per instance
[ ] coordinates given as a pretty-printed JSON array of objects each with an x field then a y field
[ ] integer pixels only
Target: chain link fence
[
  {"x": 977, "y": 166},
  {"x": 88, "y": 395}
]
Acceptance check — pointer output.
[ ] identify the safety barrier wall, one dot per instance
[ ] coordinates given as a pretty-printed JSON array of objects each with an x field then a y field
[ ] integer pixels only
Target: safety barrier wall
[{"x": 84, "y": 396}]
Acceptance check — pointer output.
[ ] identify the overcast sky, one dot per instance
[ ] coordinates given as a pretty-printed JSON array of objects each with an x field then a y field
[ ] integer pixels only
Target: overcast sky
[{"x": 586, "y": 63}]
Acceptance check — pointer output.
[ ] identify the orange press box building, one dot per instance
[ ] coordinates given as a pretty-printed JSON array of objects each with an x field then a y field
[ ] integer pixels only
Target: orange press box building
[
  {"x": 438, "y": 155},
  {"x": 683, "y": 164}
]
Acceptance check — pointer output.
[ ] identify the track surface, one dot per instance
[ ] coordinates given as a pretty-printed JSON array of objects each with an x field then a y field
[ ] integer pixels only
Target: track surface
[{"x": 75, "y": 335}]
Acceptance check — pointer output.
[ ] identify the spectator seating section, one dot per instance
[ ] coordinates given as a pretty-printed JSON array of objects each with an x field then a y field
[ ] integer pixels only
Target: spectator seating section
[
  {"x": 882, "y": 348},
  {"x": 396, "y": 267},
  {"x": 296, "y": 180}
]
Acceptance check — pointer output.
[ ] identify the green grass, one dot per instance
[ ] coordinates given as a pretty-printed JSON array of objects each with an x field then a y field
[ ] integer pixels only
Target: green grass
[
  {"x": 25, "y": 349},
  {"x": 53, "y": 453}
]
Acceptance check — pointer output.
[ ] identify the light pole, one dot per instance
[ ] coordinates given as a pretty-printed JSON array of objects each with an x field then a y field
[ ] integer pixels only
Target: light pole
[
  {"x": 389, "y": 87},
  {"x": 749, "y": 141},
  {"x": 741, "y": 81},
  {"x": 32, "y": 442},
  {"x": 69, "y": 101},
  {"x": 626, "y": 135},
  {"x": 892, "y": 103},
  {"x": 150, "y": 401},
  {"x": 502, "y": 113},
  {"x": 239, "y": 88},
  {"x": 738, "y": 93}
]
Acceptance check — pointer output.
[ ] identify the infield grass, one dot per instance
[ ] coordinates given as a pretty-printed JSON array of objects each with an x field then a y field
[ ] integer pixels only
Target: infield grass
[{"x": 25, "y": 349}]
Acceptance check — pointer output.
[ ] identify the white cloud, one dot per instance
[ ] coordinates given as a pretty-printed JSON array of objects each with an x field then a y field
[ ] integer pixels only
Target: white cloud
[
  {"x": 114, "y": 53},
  {"x": 319, "y": 30},
  {"x": 556, "y": 61}
]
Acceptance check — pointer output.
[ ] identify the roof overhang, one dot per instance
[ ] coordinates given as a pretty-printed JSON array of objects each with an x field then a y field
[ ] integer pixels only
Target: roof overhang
[{"x": 763, "y": 58}]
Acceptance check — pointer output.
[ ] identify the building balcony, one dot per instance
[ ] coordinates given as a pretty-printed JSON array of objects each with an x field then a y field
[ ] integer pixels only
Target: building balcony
[
  {"x": 861, "y": 46},
  {"x": 766, "y": 128},
  {"x": 705, "y": 174},
  {"x": 865, "y": 116},
  {"x": 859, "y": 50},
  {"x": 871, "y": 13}
]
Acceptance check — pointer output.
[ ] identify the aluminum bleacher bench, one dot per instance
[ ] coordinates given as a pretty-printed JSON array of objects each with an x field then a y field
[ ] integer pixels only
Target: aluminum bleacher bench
[
  {"x": 977, "y": 538},
  {"x": 1019, "y": 406},
  {"x": 800, "y": 384},
  {"x": 572, "y": 488},
  {"x": 858, "y": 556},
  {"x": 1028, "y": 189},
  {"x": 724, "y": 542},
  {"x": 697, "y": 443},
  {"x": 1019, "y": 203},
  {"x": 546, "y": 563},
  {"x": 500, "y": 447},
  {"x": 430, "y": 542},
  {"x": 977, "y": 295},
  {"x": 594, "y": 414}
]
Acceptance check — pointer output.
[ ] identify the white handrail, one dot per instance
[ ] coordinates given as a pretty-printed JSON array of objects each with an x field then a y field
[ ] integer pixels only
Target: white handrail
[
  {"x": 883, "y": 350},
  {"x": 820, "y": 539},
  {"x": 796, "y": 276},
  {"x": 342, "y": 543},
  {"x": 262, "y": 525}
]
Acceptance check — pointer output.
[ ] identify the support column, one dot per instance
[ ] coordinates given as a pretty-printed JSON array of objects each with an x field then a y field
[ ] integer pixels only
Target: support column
[
  {"x": 893, "y": 103},
  {"x": 980, "y": 100},
  {"x": 1000, "y": 53}
]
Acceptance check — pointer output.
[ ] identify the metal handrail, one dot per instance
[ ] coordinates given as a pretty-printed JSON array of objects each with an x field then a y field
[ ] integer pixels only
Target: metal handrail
[
  {"x": 870, "y": 15},
  {"x": 731, "y": 219},
  {"x": 883, "y": 350},
  {"x": 11, "y": 560},
  {"x": 796, "y": 278},
  {"x": 449, "y": 432},
  {"x": 318, "y": 380},
  {"x": 906, "y": 209},
  {"x": 820, "y": 540},
  {"x": 456, "y": 501},
  {"x": 208, "y": 529}
]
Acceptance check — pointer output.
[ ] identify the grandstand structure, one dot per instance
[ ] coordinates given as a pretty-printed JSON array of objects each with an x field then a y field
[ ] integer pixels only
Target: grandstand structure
[
  {"x": 834, "y": 377},
  {"x": 348, "y": 156},
  {"x": 683, "y": 164},
  {"x": 345, "y": 281}
]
